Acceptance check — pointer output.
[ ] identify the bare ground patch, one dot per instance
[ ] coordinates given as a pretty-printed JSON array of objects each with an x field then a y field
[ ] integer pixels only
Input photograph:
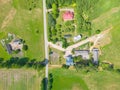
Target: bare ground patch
[
  {"x": 4, "y": 1},
  {"x": 8, "y": 18}
]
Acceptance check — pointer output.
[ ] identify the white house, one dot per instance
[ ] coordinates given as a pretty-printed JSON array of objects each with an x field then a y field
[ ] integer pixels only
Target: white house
[{"x": 77, "y": 38}]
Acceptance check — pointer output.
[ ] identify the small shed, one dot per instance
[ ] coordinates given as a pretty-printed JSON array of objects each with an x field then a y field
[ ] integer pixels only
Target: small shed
[
  {"x": 67, "y": 36},
  {"x": 69, "y": 61},
  {"x": 95, "y": 52},
  {"x": 77, "y": 38}
]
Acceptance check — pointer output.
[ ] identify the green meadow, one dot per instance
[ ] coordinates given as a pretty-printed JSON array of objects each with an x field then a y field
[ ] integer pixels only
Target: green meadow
[{"x": 26, "y": 23}]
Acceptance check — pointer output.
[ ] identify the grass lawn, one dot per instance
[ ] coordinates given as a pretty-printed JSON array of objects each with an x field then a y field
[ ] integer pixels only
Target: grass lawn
[
  {"x": 19, "y": 79},
  {"x": 67, "y": 80},
  {"x": 105, "y": 80},
  {"x": 105, "y": 14},
  {"x": 27, "y": 20},
  {"x": 72, "y": 80}
]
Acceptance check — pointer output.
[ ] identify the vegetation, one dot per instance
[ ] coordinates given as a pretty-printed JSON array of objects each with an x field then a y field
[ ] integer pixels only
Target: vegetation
[
  {"x": 83, "y": 15},
  {"x": 16, "y": 62},
  {"x": 24, "y": 24},
  {"x": 65, "y": 79},
  {"x": 20, "y": 79},
  {"x": 60, "y": 3},
  {"x": 25, "y": 47}
]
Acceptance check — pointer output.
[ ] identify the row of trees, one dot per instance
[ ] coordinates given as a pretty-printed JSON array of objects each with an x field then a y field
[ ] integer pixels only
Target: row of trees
[
  {"x": 59, "y": 2},
  {"x": 16, "y": 62}
]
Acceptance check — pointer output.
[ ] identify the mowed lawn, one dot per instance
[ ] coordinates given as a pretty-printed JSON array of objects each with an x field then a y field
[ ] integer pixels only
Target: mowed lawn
[
  {"x": 19, "y": 79},
  {"x": 27, "y": 23},
  {"x": 104, "y": 80},
  {"x": 73, "y": 80},
  {"x": 67, "y": 80}
]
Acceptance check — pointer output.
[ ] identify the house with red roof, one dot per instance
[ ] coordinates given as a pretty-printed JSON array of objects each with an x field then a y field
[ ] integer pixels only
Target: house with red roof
[{"x": 68, "y": 15}]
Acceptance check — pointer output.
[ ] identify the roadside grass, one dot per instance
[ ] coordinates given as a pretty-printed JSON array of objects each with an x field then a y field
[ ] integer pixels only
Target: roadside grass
[
  {"x": 28, "y": 25},
  {"x": 67, "y": 80},
  {"x": 19, "y": 79}
]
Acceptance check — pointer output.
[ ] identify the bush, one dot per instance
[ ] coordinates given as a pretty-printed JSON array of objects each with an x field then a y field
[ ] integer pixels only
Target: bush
[
  {"x": 51, "y": 20},
  {"x": 98, "y": 31},
  {"x": 25, "y": 47}
]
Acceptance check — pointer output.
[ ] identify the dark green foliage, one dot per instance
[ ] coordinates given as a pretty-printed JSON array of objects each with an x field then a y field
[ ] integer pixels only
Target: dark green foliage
[
  {"x": 55, "y": 11},
  {"x": 65, "y": 44},
  {"x": 50, "y": 81},
  {"x": 83, "y": 10},
  {"x": 59, "y": 2},
  {"x": 17, "y": 51},
  {"x": 65, "y": 66},
  {"x": 51, "y": 20},
  {"x": 16, "y": 62},
  {"x": 107, "y": 66},
  {"x": 25, "y": 47},
  {"x": 98, "y": 31}
]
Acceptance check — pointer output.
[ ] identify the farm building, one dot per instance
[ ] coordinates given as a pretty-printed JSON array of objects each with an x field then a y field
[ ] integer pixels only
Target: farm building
[
  {"x": 83, "y": 53},
  {"x": 69, "y": 60},
  {"x": 68, "y": 15},
  {"x": 77, "y": 38},
  {"x": 95, "y": 55}
]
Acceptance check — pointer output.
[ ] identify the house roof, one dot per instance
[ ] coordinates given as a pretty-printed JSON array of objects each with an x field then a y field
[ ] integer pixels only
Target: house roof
[
  {"x": 77, "y": 38},
  {"x": 83, "y": 53},
  {"x": 95, "y": 55},
  {"x": 67, "y": 36},
  {"x": 69, "y": 60},
  {"x": 68, "y": 15},
  {"x": 9, "y": 48}
]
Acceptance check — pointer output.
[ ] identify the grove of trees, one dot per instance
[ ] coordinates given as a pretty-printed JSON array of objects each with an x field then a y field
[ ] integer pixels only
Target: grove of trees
[{"x": 83, "y": 9}]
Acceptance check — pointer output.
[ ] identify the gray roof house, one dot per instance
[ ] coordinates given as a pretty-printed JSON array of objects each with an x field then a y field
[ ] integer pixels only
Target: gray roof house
[
  {"x": 83, "y": 53},
  {"x": 9, "y": 48},
  {"x": 69, "y": 61},
  {"x": 95, "y": 52}
]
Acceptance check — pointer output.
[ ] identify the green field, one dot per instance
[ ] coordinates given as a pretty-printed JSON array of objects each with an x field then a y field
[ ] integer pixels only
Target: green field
[
  {"x": 20, "y": 79},
  {"x": 73, "y": 80},
  {"x": 67, "y": 80},
  {"x": 27, "y": 21}
]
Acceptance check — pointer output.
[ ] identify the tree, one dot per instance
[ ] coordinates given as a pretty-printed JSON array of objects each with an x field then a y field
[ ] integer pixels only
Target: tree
[
  {"x": 51, "y": 20},
  {"x": 25, "y": 47},
  {"x": 98, "y": 31},
  {"x": 55, "y": 11}
]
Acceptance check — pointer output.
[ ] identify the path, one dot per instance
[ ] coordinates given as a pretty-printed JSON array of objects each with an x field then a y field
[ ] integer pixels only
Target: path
[{"x": 45, "y": 38}]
